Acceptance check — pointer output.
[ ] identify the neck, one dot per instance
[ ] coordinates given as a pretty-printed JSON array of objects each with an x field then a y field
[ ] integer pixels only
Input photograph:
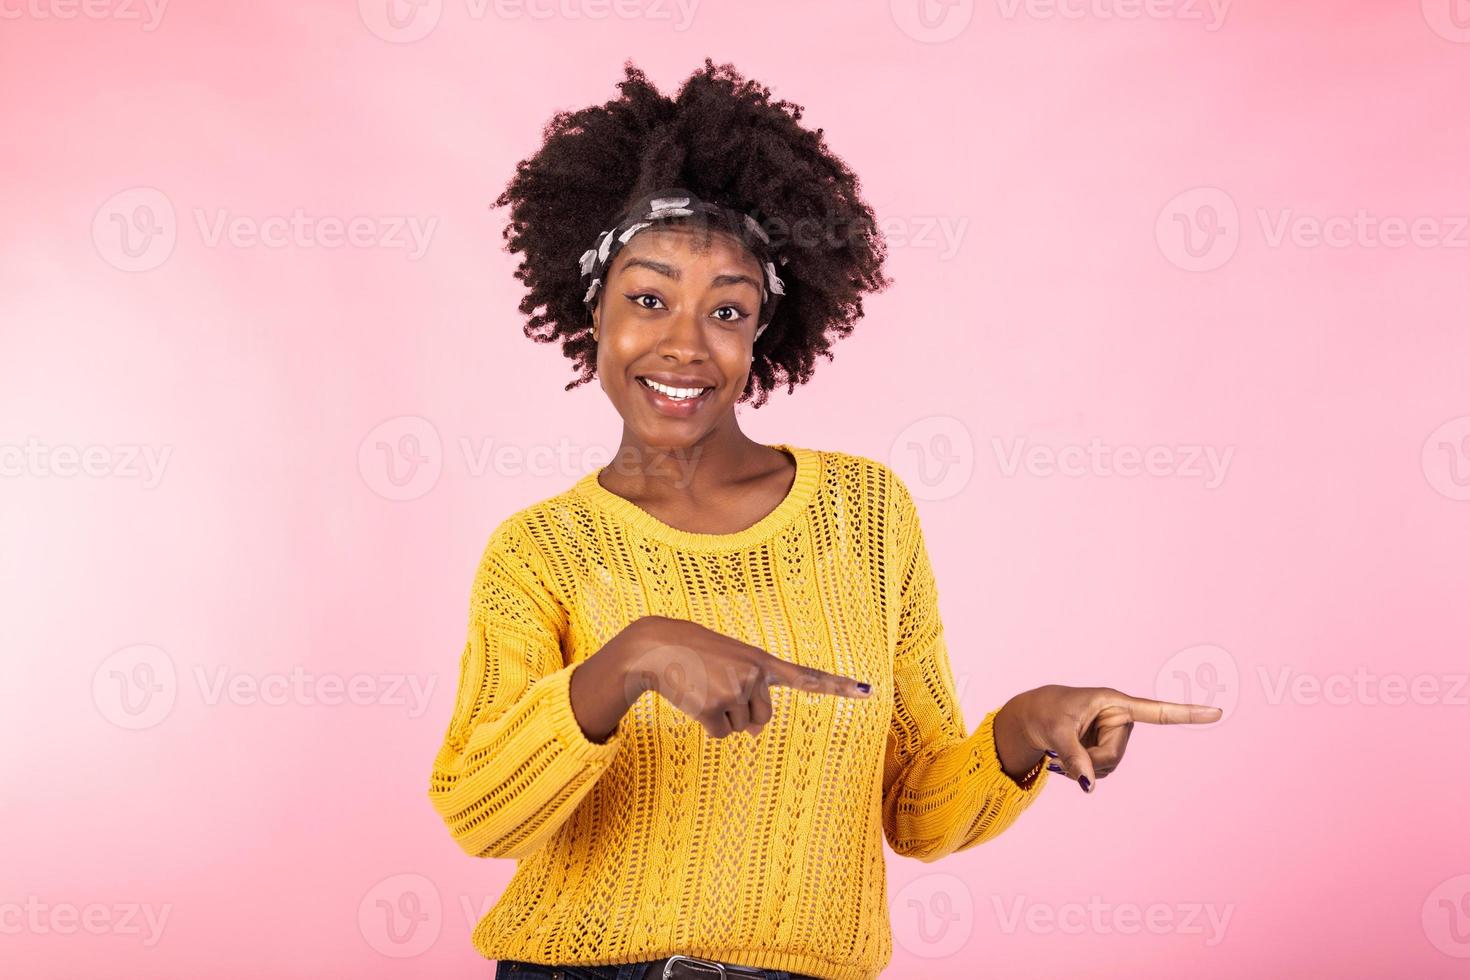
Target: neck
[{"x": 718, "y": 459}]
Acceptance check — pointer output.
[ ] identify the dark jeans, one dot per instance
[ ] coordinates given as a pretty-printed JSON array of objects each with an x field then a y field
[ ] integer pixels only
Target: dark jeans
[{"x": 521, "y": 970}]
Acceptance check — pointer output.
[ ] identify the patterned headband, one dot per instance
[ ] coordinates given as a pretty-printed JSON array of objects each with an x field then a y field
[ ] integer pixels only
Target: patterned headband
[{"x": 681, "y": 204}]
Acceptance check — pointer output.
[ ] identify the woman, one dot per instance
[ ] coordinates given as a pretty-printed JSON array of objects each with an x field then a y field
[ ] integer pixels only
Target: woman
[{"x": 704, "y": 684}]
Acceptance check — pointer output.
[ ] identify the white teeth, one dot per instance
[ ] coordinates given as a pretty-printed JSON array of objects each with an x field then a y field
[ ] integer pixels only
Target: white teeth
[{"x": 678, "y": 394}]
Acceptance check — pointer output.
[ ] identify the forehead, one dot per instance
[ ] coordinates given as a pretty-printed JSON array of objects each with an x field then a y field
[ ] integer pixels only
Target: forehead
[{"x": 679, "y": 244}]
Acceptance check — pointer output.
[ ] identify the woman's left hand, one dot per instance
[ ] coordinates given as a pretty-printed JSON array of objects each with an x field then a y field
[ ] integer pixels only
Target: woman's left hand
[{"x": 1085, "y": 729}]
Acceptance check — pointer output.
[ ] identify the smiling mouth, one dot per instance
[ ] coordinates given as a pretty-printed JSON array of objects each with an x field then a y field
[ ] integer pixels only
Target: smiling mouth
[{"x": 675, "y": 394}]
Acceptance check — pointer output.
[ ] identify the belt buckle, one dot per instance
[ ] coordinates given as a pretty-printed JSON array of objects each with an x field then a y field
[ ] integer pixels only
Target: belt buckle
[{"x": 724, "y": 972}]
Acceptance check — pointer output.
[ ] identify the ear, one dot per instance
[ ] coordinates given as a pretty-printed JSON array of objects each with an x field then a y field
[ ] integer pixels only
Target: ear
[{"x": 596, "y": 321}]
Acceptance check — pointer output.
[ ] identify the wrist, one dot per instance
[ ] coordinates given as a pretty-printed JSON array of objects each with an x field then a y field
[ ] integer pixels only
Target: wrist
[
  {"x": 605, "y": 685},
  {"x": 628, "y": 658},
  {"x": 1019, "y": 757}
]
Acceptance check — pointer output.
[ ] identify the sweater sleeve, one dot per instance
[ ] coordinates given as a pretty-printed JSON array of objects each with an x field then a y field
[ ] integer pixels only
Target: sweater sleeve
[
  {"x": 514, "y": 763},
  {"x": 943, "y": 790}
]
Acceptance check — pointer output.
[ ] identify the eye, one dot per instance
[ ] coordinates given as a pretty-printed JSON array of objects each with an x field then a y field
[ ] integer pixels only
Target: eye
[
  {"x": 635, "y": 297},
  {"x": 739, "y": 314}
]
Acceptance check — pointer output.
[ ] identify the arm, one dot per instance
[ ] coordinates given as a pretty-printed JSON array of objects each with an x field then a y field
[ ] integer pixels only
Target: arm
[
  {"x": 943, "y": 790},
  {"x": 515, "y": 762}
]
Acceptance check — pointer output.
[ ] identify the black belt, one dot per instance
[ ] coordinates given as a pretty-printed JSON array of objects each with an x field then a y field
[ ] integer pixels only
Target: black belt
[{"x": 681, "y": 967}]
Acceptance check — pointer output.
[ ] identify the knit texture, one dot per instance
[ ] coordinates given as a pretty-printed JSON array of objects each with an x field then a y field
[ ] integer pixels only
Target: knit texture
[{"x": 764, "y": 851}]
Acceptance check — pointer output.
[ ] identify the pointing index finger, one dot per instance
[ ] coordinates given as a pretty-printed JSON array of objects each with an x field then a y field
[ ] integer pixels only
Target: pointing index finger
[
  {"x": 1167, "y": 712},
  {"x": 788, "y": 674}
]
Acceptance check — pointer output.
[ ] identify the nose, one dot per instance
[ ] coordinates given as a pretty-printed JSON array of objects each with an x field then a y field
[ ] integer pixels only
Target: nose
[{"x": 683, "y": 337}]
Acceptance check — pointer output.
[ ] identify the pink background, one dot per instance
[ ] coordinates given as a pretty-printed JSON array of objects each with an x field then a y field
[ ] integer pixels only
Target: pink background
[{"x": 1325, "y": 832}]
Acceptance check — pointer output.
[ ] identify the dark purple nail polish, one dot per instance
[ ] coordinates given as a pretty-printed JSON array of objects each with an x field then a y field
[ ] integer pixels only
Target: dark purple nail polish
[
  {"x": 1051, "y": 753},
  {"x": 865, "y": 688},
  {"x": 1055, "y": 768},
  {"x": 1086, "y": 784}
]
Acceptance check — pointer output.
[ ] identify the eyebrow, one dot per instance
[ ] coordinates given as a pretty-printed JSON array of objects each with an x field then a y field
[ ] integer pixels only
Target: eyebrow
[{"x": 673, "y": 273}]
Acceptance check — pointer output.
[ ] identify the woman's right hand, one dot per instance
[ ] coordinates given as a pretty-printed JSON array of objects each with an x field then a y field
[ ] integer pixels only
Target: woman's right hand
[{"x": 719, "y": 681}]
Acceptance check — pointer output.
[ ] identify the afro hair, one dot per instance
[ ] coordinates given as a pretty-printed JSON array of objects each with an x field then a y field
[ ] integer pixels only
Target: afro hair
[{"x": 723, "y": 138}]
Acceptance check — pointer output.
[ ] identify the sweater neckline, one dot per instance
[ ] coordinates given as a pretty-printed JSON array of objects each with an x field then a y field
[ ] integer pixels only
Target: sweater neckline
[{"x": 640, "y": 520}]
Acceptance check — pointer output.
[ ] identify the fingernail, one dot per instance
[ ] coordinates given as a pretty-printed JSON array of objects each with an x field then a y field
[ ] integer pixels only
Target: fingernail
[
  {"x": 865, "y": 688},
  {"x": 1086, "y": 784},
  {"x": 1052, "y": 754},
  {"x": 1054, "y": 767}
]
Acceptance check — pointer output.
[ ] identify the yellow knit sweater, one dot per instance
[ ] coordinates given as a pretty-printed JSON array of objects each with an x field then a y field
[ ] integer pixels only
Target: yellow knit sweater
[{"x": 763, "y": 851}]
